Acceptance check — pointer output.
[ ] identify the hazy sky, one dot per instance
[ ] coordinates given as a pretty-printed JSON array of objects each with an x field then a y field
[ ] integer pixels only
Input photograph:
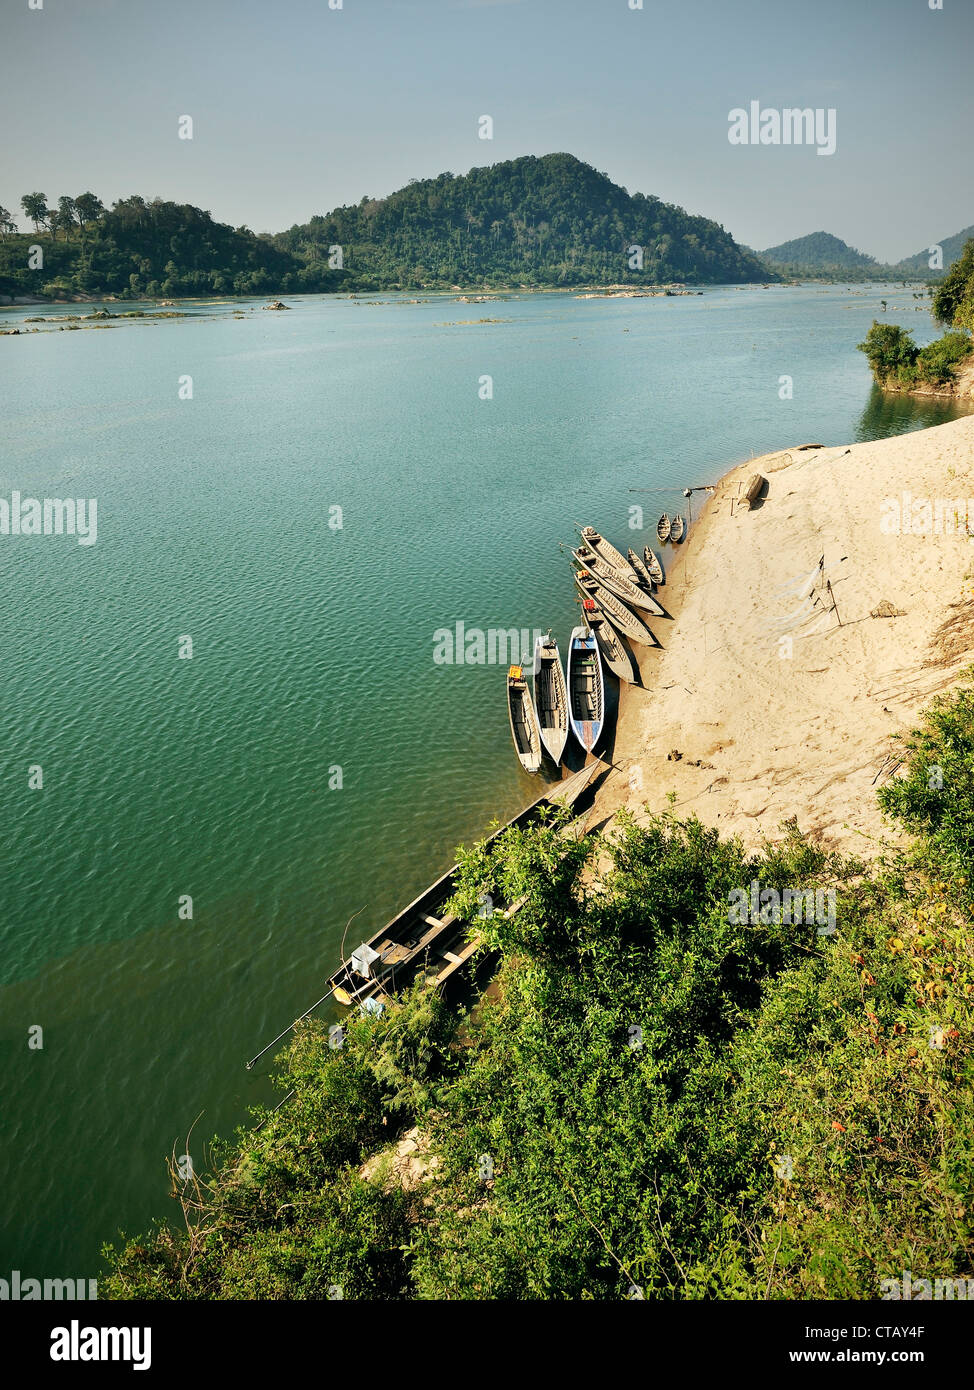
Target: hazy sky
[{"x": 298, "y": 108}]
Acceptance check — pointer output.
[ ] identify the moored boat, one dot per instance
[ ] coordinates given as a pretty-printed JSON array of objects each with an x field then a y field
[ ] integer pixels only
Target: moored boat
[
  {"x": 642, "y": 573},
  {"x": 607, "y": 551},
  {"x": 524, "y": 720},
  {"x": 550, "y": 696},
  {"x": 663, "y": 528},
  {"x": 615, "y": 654},
  {"x": 654, "y": 566},
  {"x": 612, "y": 579},
  {"x": 677, "y": 528},
  {"x": 423, "y": 935},
  {"x": 621, "y": 617},
  {"x": 586, "y": 691}
]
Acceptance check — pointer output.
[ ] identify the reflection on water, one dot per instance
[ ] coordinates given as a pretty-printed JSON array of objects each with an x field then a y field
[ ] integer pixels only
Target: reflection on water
[{"x": 895, "y": 412}]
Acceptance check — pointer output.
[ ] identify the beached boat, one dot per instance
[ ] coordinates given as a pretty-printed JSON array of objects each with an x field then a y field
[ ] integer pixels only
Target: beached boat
[
  {"x": 550, "y": 696},
  {"x": 615, "y": 654},
  {"x": 586, "y": 692},
  {"x": 607, "y": 552},
  {"x": 663, "y": 528},
  {"x": 616, "y": 583},
  {"x": 654, "y": 566},
  {"x": 643, "y": 574},
  {"x": 632, "y": 595},
  {"x": 677, "y": 527},
  {"x": 524, "y": 720},
  {"x": 621, "y": 617},
  {"x": 423, "y": 937}
]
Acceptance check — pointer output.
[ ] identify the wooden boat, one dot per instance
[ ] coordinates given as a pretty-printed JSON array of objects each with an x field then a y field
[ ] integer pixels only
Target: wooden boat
[
  {"x": 550, "y": 696},
  {"x": 425, "y": 937},
  {"x": 654, "y": 566},
  {"x": 607, "y": 552},
  {"x": 677, "y": 527},
  {"x": 614, "y": 652},
  {"x": 643, "y": 574},
  {"x": 663, "y": 528},
  {"x": 586, "y": 691},
  {"x": 621, "y": 617},
  {"x": 633, "y": 595},
  {"x": 616, "y": 583},
  {"x": 524, "y": 720}
]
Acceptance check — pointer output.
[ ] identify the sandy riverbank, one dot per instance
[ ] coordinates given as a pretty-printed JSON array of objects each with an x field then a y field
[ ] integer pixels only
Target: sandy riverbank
[{"x": 765, "y": 735}]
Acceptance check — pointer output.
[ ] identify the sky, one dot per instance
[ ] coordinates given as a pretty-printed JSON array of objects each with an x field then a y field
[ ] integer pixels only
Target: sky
[{"x": 298, "y": 107}]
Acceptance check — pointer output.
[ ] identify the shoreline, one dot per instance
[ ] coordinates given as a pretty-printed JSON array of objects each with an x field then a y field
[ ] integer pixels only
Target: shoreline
[{"x": 777, "y": 708}]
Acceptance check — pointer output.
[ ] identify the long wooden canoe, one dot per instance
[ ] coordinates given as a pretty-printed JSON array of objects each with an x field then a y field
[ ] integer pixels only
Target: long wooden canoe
[
  {"x": 524, "y": 720},
  {"x": 653, "y": 565},
  {"x": 607, "y": 551},
  {"x": 632, "y": 595},
  {"x": 677, "y": 527},
  {"x": 642, "y": 573},
  {"x": 663, "y": 528},
  {"x": 616, "y": 583},
  {"x": 621, "y": 617},
  {"x": 550, "y": 696},
  {"x": 615, "y": 654},
  {"x": 586, "y": 689},
  {"x": 422, "y": 936}
]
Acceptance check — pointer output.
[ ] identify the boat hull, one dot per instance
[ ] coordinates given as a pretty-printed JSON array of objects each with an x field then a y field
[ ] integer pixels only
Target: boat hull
[{"x": 586, "y": 688}]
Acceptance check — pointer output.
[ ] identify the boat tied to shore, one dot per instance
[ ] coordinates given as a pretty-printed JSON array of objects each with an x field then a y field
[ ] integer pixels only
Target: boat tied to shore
[
  {"x": 663, "y": 528},
  {"x": 621, "y": 617},
  {"x": 615, "y": 654},
  {"x": 550, "y": 697},
  {"x": 677, "y": 528},
  {"x": 525, "y": 730},
  {"x": 423, "y": 937},
  {"x": 654, "y": 566},
  {"x": 606, "y": 551},
  {"x": 586, "y": 688}
]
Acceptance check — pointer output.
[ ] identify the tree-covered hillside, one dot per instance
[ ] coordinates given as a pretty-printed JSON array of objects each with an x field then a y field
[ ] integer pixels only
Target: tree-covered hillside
[
  {"x": 531, "y": 221},
  {"x": 952, "y": 248},
  {"x": 820, "y": 253},
  {"x": 552, "y": 221}
]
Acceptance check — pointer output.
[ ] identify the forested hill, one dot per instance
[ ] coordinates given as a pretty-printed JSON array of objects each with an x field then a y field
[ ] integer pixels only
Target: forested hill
[
  {"x": 820, "y": 253},
  {"x": 531, "y": 221}
]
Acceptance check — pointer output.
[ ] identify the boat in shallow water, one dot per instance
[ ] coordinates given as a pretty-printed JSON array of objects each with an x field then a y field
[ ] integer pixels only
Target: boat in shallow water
[
  {"x": 607, "y": 552},
  {"x": 622, "y": 618},
  {"x": 524, "y": 720},
  {"x": 586, "y": 688},
  {"x": 677, "y": 528},
  {"x": 616, "y": 656},
  {"x": 663, "y": 528},
  {"x": 654, "y": 566},
  {"x": 550, "y": 697},
  {"x": 423, "y": 937}
]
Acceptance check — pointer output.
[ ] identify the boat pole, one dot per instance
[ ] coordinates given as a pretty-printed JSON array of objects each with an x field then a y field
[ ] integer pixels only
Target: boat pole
[{"x": 313, "y": 1006}]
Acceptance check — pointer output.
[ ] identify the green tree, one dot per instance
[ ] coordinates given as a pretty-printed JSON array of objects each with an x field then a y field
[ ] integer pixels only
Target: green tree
[{"x": 35, "y": 207}]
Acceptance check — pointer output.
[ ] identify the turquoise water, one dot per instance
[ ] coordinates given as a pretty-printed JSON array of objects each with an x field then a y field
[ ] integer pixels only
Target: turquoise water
[{"x": 313, "y": 649}]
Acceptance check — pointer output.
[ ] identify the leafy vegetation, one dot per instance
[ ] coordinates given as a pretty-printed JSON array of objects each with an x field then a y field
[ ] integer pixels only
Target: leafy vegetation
[
  {"x": 954, "y": 300},
  {"x": 821, "y": 255},
  {"x": 652, "y": 1099},
  {"x": 533, "y": 222},
  {"x": 896, "y": 361}
]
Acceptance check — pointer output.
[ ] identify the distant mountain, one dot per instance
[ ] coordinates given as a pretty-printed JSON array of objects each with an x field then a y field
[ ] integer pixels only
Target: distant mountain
[
  {"x": 952, "y": 247},
  {"x": 817, "y": 254},
  {"x": 533, "y": 221}
]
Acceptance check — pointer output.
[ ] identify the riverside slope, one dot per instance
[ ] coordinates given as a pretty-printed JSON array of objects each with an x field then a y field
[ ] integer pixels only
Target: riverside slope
[{"x": 809, "y": 735}]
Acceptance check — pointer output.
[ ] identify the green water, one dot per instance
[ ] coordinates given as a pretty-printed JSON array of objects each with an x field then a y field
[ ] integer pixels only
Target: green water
[{"x": 313, "y": 649}]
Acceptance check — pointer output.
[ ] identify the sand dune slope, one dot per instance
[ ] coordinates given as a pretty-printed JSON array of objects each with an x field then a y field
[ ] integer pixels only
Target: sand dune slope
[{"x": 785, "y": 693}]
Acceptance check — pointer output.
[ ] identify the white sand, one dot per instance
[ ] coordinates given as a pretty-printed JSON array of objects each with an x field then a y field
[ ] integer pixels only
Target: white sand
[{"x": 807, "y": 735}]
